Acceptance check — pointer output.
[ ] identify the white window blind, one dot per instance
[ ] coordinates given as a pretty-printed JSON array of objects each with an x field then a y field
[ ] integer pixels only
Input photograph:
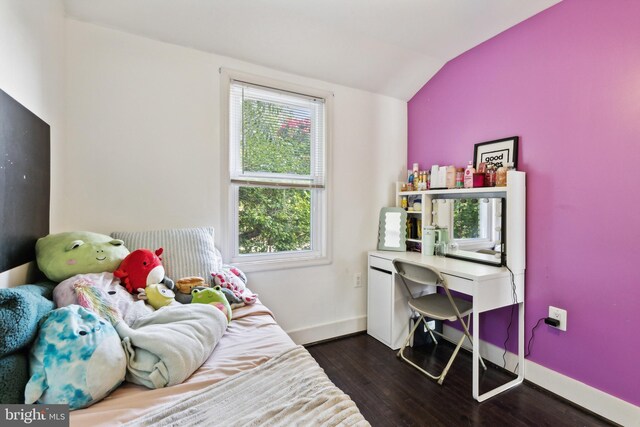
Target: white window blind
[{"x": 294, "y": 162}]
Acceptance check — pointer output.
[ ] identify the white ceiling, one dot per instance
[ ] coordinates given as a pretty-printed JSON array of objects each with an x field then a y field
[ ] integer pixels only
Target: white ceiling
[{"x": 392, "y": 47}]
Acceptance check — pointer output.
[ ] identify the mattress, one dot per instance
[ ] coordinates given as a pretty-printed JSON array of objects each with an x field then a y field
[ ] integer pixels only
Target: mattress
[{"x": 252, "y": 338}]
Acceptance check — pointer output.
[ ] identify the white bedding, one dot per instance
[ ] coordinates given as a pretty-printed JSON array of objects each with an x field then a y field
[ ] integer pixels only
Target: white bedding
[
  {"x": 165, "y": 347},
  {"x": 252, "y": 338}
]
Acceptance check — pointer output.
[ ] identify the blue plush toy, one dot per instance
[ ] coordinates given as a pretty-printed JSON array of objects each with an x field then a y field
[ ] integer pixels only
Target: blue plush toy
[{"x": 77, "y": 359}]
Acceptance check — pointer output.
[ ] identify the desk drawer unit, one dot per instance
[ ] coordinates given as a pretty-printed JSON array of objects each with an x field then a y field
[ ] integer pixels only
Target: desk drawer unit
[{"x": 387, "y": 308}]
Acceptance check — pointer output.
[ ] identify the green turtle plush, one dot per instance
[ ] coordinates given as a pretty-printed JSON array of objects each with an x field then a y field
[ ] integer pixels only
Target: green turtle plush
[
  {"x": 64, "y": 255},
  {"x": 213, "y": 296}
]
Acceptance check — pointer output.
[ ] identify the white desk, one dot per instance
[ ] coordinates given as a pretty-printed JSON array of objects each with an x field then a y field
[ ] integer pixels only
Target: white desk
[{"x": 490, "y": 287}]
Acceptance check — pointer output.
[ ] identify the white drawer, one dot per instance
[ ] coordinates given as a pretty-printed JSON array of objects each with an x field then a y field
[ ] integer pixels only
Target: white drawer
[
  {"x": 459, "y": 284},
  {"x": 381, "y": 263}
]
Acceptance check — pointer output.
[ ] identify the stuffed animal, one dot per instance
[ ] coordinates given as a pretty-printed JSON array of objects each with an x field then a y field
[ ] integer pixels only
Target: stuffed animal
[
  {"x": 94, "y": 299},
  {"x": 158, "y": 295},
  {"x": 212, "y": 296},
  {"x": 184, "y": 287},
  {"x": 129, "y": 306},
  {"x": 141, "y": 268},
  {"x": 77, "y": 359},
  {"x": 21, "y": 309},
  {"x": 64, "y": 255},
  {"x": 233, "y": 300},
  {"x": 234, "y": 279}
]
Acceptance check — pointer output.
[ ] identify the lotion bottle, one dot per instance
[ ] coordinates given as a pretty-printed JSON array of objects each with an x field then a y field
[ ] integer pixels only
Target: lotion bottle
[{"x": 468, "y": 175}]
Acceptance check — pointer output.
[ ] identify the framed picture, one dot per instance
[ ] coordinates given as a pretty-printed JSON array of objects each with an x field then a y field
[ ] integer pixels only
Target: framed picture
[{"x": 498, "y": 152}]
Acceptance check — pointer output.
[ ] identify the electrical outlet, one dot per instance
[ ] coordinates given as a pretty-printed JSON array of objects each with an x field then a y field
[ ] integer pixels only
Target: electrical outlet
[
  {"x": 357, "y": 280},
  {"x": 560, "y": 315}
]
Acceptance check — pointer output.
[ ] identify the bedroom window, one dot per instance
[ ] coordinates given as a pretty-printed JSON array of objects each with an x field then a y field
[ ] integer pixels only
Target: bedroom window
[{"x": 277, "y": 173}]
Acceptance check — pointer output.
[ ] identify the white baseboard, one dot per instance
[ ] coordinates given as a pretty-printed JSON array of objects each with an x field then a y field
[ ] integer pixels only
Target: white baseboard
[
  {"x": 581, "y": 394},
  {"x": 328, "y": 330}
]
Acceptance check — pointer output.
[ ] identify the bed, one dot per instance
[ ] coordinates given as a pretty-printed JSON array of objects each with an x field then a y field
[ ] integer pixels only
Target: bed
[
  {"x": 253, "y": 338},
  {"x": 255, "y": 375}
]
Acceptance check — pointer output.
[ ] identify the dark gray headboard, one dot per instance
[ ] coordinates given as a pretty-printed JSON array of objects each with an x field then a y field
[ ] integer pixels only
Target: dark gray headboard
[{"x": 24, "y": 182}]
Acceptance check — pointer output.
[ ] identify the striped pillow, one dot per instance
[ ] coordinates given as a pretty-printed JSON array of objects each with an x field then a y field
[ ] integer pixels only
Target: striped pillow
[{"x": 187, "y": 251}]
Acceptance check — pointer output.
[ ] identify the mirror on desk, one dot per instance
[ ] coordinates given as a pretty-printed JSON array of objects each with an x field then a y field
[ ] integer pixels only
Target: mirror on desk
[{"x": 474, "y": 228}]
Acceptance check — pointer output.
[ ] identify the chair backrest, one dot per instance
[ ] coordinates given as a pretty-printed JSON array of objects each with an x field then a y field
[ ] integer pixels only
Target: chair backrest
[{"x": 418, "y": 273}]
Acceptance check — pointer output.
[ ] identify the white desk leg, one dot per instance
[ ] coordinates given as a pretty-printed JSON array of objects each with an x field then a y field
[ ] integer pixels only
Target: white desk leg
[
  {"x": 475, "y": 354},
  {"x": 511, "y": 383}
]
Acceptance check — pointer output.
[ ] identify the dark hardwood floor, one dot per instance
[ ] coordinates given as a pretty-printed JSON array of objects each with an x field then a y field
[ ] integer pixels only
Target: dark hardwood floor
[{"x": 390, "y": 392}]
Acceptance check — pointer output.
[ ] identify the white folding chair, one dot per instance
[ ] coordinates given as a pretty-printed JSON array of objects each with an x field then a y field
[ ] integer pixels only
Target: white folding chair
[{"x": 435, "y": 306}]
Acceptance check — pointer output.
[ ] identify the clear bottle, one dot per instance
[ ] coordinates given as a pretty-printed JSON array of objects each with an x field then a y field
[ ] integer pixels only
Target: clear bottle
[
  {"x": 451, "y": 176},
  {"x": 490, "y": 177},
  {"x": 468, "y": 175},
  {"x": 501, "y": 176}
]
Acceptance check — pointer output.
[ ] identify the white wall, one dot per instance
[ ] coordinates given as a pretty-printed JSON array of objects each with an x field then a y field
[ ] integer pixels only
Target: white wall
[
  {"x": 143, "y": 152},
  {"x": 32, "y": 72}
]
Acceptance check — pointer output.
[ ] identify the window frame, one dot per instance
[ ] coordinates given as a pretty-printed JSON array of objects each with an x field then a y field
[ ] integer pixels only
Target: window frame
[{"x": 321, "y": 201}]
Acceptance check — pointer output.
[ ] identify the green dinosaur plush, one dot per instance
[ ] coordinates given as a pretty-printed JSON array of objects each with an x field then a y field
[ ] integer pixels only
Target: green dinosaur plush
[
  {"x": 64, "y": 255},
  {"x": 213, "y": 296}
]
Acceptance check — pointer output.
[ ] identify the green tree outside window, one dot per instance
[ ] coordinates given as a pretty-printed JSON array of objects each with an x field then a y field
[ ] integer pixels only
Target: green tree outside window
[{"x": 276, "y": 139}]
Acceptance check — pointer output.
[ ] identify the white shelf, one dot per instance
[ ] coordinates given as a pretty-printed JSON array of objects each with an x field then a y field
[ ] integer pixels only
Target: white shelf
[
  {"x": 455, "y": 191},
  {"x": 414, "y": 240},
  {"x": 515, "y": 192}
]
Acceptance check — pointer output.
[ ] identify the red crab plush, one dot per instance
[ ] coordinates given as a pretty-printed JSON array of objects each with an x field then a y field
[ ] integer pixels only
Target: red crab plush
[{"x": 140, "y": 268}]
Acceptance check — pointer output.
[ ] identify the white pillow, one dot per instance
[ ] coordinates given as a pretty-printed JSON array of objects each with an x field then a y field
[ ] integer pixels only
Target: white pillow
[{"x": 187, "y": 251}]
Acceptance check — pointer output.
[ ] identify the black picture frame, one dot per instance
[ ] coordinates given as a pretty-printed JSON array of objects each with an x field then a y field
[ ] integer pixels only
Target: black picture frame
[{"x": 497, "y": 152}]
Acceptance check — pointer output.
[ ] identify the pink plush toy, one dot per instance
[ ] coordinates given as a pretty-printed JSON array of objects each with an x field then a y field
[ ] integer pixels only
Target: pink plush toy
[
  {"x": 234, "y": 279},
  {"x": 141, "y": 268}
]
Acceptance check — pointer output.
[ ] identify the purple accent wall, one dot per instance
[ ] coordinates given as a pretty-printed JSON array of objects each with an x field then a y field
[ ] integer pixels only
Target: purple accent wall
[{"x": 567, "y": 81}]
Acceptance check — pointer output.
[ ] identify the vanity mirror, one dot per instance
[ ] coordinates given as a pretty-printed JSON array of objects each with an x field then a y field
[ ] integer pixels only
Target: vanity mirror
[{"x": 472, "y": 228}]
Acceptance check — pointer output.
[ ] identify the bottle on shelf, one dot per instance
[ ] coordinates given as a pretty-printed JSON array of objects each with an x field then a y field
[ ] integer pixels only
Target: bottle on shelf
[
  {"x": 459, "y": 177},
  {"x": 435, "y": 176},
  {"x": 501, "y": 176},
  {"x": 490, "y": 176},
  {"x": 451, "y": 176},
  {"x": 468, "y": 175}
]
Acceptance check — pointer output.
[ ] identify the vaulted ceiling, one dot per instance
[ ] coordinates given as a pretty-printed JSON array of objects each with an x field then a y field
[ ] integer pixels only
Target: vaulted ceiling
[{"x": 391, "y": 47}]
